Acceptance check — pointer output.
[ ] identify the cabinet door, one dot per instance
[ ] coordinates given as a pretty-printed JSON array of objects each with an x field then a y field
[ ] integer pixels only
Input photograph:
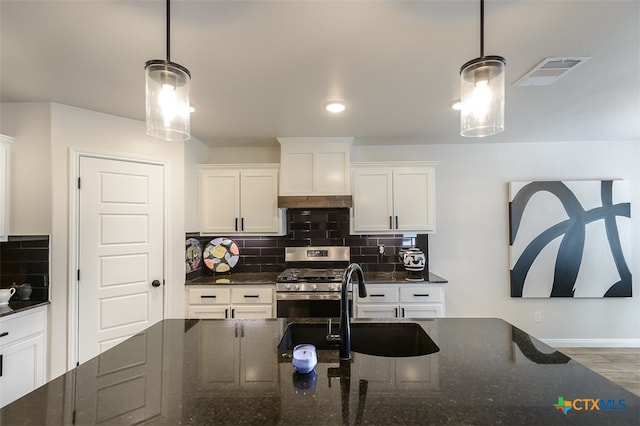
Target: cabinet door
[
  {"x": 372, "y": 200},
  {"x": 259, "y": 201},
  {"x": 252, "y": 311},
  {"x": 219, "y": 201},
  {"x": 427, "y": 310},
  {"x": 414, "y": 199},
  {"x": 22, "y": 366},
  {"x": 376, "y": 311}
]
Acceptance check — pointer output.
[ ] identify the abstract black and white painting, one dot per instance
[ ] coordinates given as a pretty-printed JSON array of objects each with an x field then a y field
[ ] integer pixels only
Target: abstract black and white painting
[{"x": 570, "y": 238}]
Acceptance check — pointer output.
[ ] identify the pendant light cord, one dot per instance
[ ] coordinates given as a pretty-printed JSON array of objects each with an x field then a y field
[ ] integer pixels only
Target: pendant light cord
[
  {"x": 481, "y": 28},
  {"x": 168, "y": 32}
]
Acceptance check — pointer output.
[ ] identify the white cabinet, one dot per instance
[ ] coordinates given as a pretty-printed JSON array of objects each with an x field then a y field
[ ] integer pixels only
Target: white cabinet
[
  {"x": 315, "y": 166},
  {"x": 401, "y": 301},
  {"x": 22, "y": 353},
  {"x": 239, "y": 199},
  {"x": 5, "y": 164},
  {"x": 227, "y": 302},
  {"x": 393, "y": 197}
]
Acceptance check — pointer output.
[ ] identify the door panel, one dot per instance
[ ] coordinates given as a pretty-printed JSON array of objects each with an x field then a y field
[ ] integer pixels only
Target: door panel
[{"x": 121, "y": 235}]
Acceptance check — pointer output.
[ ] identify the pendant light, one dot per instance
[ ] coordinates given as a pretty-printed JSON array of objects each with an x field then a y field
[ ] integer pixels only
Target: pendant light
[
  {"x": 167, "y": 96},
  {"x": 482, "y": 92}
]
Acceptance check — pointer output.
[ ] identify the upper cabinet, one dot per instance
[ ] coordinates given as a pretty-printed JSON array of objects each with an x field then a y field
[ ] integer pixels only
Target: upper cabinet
[
  {"x": 5, "y": 146},
  {"x": 239, "y": 198},
  {"x": 315, "y": 166},
  {"x": 393, "y": 197}
]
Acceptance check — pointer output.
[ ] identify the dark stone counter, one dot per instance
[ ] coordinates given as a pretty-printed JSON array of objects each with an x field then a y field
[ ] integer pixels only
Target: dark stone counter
[
  {"x": 401, "y": 277},
  {"x": 19, "y": 306},
  {"x": 251, "y": 278},
  {"x": 246, "y": 278},
  {"x": 230, "y": 372}
]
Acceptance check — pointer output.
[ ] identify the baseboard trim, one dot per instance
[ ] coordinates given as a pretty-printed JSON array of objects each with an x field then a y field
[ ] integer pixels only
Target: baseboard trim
[{"x": 592, "y": 343}]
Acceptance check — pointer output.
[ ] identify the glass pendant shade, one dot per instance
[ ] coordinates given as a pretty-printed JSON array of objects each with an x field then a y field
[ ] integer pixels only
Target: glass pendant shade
[
  {"x": 167, "y": 100},
  {"x": 482, "y": 96}
]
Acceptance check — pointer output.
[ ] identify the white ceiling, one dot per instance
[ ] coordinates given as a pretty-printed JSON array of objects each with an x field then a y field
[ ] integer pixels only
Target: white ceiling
[{"x": 262, "y": 69}]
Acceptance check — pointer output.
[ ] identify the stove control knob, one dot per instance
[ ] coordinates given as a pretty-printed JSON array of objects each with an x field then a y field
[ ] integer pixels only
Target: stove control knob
[
  {"x": 296, "y": 287},
  {"x": 331, "y": 287},
  {"x": 314, "y": 287},
  {"x": 287, "y": 286}
]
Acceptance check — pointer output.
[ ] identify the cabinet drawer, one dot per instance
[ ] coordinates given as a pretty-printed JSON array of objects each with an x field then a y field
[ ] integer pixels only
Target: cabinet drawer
[
  {"x": 208, "y": 312},
  {"x": 379, "y": 294},
  {"x": 252, "y": 295},
  {"x": 209, "y": 296},
  {"x": 20, "y": 326},
  {"x": 421, "y": 294},
  {"x": 428, "y": 310}
]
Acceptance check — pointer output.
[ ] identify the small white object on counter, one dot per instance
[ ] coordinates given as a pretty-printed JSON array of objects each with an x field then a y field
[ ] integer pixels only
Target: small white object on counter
[{"x": 304, "y": 358}]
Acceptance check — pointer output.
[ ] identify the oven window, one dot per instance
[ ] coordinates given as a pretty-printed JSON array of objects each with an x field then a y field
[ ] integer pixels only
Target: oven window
[{"x": 310, "y": 308}]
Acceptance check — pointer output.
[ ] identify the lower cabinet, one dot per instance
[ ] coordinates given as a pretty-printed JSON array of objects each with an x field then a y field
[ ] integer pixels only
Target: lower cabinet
[
  {"x": 229, "y": 302},
  {"x": 22, "y": 353},
  {"x": 401, "y": 301}
]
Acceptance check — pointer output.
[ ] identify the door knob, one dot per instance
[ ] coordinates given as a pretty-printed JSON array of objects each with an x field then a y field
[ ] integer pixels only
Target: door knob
[{"x": 155, "y": 283}]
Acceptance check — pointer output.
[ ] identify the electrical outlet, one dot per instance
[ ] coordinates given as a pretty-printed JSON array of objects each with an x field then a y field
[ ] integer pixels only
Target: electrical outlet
[
  {"x": 537, "y": 316},
  {"x": 381, "y": 249}
]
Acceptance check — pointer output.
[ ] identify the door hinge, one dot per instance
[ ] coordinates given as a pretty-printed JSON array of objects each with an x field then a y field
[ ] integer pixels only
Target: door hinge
[
  {"x": 78, "y": 274},
  {"x": 78, "y": 183}
]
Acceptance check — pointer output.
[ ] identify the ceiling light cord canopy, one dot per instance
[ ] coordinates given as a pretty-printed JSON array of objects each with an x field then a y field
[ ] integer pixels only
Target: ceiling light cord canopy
[
  {"x": 168, "y": 112},
  {"x": 482, "y": 92}
]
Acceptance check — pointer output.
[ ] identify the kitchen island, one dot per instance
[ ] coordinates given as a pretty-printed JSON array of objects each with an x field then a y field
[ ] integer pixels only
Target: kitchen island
[{"x": 231, "y": 372}]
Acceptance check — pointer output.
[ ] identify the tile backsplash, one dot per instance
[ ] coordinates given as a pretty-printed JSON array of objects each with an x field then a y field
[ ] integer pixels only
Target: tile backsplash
[
  {"x": 25, "y": 259},
  {"x": 318, "y": 227}
]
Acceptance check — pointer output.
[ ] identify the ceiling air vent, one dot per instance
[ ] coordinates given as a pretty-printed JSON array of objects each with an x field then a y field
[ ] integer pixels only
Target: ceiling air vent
[{"x": 551, "y": 70}]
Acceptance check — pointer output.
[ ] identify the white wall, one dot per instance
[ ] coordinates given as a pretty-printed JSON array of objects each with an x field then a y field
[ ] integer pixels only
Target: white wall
[
  {"x": 471, "y": 247},
  {"x": 83, "y": 130}
]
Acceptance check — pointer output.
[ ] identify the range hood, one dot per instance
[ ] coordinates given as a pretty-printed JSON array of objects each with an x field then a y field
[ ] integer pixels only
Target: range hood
[{"x": 315, "y": 201}]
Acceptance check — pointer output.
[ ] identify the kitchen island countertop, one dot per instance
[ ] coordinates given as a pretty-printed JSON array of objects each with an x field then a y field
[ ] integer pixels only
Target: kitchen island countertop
[{"x": 230, "y": 372}]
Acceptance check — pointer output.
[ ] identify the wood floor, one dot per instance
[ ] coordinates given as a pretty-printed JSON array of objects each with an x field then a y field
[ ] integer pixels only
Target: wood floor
[{"x": 620, "y": 365}]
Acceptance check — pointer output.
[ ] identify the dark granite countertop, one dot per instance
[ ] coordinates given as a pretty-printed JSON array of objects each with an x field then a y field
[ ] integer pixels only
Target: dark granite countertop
[
  {"x": 251, "y": 278},
  {"x": 230, "y": 372},
  {"x": 19, "y": 306},
  {"x": 400, "y": 277},
  {"x": 247, "y": 278}
]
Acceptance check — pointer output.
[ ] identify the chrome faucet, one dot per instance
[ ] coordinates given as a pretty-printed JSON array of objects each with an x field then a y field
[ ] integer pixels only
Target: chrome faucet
[{"x": 345, "y": 325}]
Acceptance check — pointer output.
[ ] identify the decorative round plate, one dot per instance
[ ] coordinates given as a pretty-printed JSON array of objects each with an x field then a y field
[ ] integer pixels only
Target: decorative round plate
[
  {"x": 221, "y": 254},
  {"x": 192, "y": 254}
]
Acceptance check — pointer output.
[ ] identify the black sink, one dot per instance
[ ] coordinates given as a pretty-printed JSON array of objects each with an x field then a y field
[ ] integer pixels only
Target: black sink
[{"x": 388, "y": 339}]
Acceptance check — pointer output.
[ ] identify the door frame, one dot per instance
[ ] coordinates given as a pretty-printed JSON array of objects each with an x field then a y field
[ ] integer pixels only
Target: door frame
[{"x": 75, "y": 156}]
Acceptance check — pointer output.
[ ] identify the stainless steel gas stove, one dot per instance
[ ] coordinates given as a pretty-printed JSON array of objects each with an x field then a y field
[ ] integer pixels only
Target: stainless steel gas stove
[{"x": 311, "y": 286}]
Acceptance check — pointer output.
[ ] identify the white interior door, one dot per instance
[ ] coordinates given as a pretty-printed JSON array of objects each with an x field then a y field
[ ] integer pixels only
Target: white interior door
[{"x": 120, "y": 251}]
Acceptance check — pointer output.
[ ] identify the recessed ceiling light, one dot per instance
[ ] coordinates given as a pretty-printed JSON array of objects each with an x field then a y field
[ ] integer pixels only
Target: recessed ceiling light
[{"x": 335, "y": 106}]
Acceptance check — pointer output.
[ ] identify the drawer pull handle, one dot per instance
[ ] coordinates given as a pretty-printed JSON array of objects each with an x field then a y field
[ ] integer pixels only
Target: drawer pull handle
[
  {"x": 251, "y": 296},
  {"x": 1, "y": 362},
  {"x": 376, "y": 295},
  {"x": 420, "y": 295},
  {"x": 6, "y": 333},
  {"x": 208, "y": 296}
]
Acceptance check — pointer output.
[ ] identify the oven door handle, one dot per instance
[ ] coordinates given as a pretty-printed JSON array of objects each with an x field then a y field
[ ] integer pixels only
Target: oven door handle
[{"x": 309, "y": 296}]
